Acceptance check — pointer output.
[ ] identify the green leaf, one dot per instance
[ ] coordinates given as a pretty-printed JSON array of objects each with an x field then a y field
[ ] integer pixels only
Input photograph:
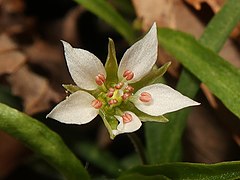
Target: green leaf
[
  {"x": 143, "y": 177},
  {"x": 7, "y": 98},
  {"x": 71, "y": 88},
  {"x": 226, "y": 170},
  {"x": 111, "y": 65},
  {"x": 220, "y": 76},
  {"x": 109, "y": 121},
  {"x": 100, "y": 158},
  {"x": 105, "y": 11},
  {"x": 43, "y": 141},
  {"x": 145, "y": 117},
  {"x": 164, "y": 140}
]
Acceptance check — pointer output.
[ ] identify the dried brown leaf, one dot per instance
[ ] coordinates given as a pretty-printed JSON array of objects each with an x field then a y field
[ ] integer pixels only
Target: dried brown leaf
[
  {"x": 11, "y": 61},
  {"x": 49, "y": 57},
  {"x": 35, "y": 91},
  {"x": 13, "y": 6},
  {"x": 214, "y": 4},
  {"x": 159, "y": 11},
  {"x": 10, "y": 58},
  {"x": 12, "y": 152},
  {"x": 70, "y": 25},
  {"x": 6, "y": 43}
]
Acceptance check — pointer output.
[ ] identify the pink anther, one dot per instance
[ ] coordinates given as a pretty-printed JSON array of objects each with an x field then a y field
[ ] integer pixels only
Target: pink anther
[
  {"x": 129, "y": 89},
  {"x": 145, "y": 97},
  {"x": 110, "y": 92},
  {"x": 126, "y": 96},
  {"x": 112, "y": 101},
  {"x": 127, "y": 118},
  {"x": 96, "y": 104},
  {"x": 100, "y": 79},
  {"x": 119, "y": 85},
  {"x": 128, "y": 75}
]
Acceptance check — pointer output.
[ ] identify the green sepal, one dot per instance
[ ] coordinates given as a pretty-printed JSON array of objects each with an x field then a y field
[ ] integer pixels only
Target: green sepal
[
  {"x": 71, "y": 88},
  {"x": 128, "y": 106},
  {"x": 111, "y": 65},
  {"x": 153, "y": 77},
  {"x": 109, "y": 121}
]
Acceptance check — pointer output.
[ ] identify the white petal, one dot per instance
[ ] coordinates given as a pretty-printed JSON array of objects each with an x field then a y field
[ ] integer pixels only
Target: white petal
[
  {"x": 141, "y": 56},
  {"x": 164, "y": 100},
  {"x": 129, "y": 127},
  {"x": 76, "y": 109},
  {"x": 83, "y": 66}
]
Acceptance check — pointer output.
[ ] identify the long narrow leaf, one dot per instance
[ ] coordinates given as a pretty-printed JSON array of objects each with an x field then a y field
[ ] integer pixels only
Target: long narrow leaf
[
  {"x": 43, "y": 141},
  {"x": 227, "y": 170},
  {"x": 220, "y": 76},
  {"x": 105, "y": 11}
]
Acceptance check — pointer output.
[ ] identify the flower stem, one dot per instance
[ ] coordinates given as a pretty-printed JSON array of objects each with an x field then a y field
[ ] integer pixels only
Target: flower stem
[{"x": 138, "y": 147}]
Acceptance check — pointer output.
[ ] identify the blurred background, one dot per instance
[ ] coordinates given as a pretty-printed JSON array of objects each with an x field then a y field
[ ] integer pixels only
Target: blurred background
[{"x": 32, "y": 70}]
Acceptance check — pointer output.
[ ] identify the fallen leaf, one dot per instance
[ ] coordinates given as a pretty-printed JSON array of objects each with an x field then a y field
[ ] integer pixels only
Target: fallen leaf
[
  {"x": 11, "y": 62},
  {"x": 214, "y": 4},
  {"x": 70, "y": 25},
  {"x": 159, "y": 11},
  {"x": 50, "y": 59},
  {"x": 12, "y": 153},
  {"x": 35, "y": 91},
  {"x": 10, "y": 58},
  {"x": 6, "y": 43}
]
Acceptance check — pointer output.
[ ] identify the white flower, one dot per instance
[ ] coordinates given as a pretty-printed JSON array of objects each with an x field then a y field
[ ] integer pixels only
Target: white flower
[{"x": 90, "y": 76}]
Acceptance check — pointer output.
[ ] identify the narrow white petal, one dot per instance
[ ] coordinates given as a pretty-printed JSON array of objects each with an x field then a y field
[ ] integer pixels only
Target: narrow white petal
[
  {"x": 129, "y": 127},
  {"x": 164, "y": 100},
  {"x": 83, "y": 66},
  {"x": 76, "y": 109},
  {"x": 141, "y": 56}
]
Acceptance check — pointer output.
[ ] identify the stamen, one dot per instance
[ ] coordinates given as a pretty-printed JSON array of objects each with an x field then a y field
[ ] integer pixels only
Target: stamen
[
  {"x": 127, "y": 118},
  {"x": 100, "y": 79},
  {"x": 110, "y": 92},
  {"x": 128, "y": 75},
  {"x": 145, "y": 97},
  {"x": 96, "y": 104},
  {"x": 129, "y": 89},
  {"x": 119, "y": 85},
  {"x": 112, "y": 101},
  {"x": 126, "y": 96}
]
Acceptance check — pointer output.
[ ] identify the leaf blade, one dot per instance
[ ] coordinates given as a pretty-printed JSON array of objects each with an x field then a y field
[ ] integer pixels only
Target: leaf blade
[
  {"x": 41, "y": 140},
  {"x": 103, "y": 10},
  {"x": 226, "y": 170}
]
